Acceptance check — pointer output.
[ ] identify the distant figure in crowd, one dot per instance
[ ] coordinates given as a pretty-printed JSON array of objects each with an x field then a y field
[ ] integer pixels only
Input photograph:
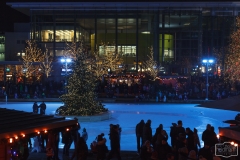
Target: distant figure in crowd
[
  {"x": 74, "y": 133},
  {"x": 139, "y": 134},
  {"x": 85, "y": 134},
  {"x": 101, "y": 147},
  {"x": 147, "y": 131},
  {"x": 66, "y": 140},
  {"x": 42, "y": 107},
  {"x": 35, "y": 107},
  {"x": 115, "y": 143},
  {"x": 81, "y": 150},
  {"x": 36, "y": 144}
]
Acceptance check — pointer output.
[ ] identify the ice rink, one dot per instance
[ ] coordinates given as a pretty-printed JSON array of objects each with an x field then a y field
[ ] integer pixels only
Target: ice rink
[{"x": 128, "y": 115}]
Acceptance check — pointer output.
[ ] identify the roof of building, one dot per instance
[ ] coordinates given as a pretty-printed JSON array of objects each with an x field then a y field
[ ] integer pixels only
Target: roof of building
[
  {"x": 16, "y": 123},
  {"x": 25, "y": 7}
]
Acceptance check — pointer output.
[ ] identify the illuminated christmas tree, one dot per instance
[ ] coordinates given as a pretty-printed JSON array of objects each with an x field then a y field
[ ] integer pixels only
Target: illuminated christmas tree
[
  {"x": 151, "y": 66},
  {"x": 81, "y": 96},
  {"x": 232, "y": 59}
]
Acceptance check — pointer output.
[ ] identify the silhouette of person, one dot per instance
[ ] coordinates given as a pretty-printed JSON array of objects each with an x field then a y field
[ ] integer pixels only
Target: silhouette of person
[
  {"x": 42, "y": 107},
  {"x": 35, "y": 107}
]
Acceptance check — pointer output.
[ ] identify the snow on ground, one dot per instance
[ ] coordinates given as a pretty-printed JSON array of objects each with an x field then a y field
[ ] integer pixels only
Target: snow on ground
[{"x": 128, "y": 115}]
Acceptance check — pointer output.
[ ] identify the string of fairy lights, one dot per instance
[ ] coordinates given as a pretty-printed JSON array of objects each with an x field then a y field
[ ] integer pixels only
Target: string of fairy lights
[
  {"x": 17, "y": 142},
  {"x": 232, "y": 60}
]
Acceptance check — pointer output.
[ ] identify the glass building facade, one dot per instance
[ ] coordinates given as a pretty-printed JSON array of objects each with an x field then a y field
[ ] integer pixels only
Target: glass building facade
[{"x": 177, "y": 31}]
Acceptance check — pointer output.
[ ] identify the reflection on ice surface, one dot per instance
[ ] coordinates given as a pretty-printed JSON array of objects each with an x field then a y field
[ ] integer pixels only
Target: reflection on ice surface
[{"x": 128, "y": 115}]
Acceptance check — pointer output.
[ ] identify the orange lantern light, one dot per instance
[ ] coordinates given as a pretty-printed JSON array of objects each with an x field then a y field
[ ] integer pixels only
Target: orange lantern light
[{"x": 10, "y": 140}]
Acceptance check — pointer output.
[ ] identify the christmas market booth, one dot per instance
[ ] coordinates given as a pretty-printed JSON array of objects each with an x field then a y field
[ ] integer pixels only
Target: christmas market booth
[{"x": 17, "y": 127}]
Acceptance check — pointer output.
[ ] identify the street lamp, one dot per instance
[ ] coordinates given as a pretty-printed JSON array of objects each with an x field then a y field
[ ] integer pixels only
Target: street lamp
[
  {"x": 66, "y": 61},
  {"x": 207, "y": 62}
]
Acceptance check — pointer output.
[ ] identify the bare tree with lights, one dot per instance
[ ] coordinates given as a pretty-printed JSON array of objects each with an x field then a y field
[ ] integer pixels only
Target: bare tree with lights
[
  {"x": 81, "y": 96},
  {"x": 111, "y": 59},
  {"x": 151, "y": 66},
  {"x": 32, "y": 54},
  {"x": 72, "y": 50},
  {"x": 218, "y": 54},
  {"x": 99, "y": 67},
  {"x": 232, "y": 59},
  {"x": 46, "y": 65},
  {"x": 186, "y": 63}
]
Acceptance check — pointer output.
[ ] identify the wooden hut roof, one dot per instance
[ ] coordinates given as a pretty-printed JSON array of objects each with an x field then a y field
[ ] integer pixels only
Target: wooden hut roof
[{"x": 15, "y": 123}]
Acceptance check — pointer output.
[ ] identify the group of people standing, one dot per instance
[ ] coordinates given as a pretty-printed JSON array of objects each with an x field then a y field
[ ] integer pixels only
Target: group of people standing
[
  {"x": 72, "y": 135},
  {"x": 69, "y": 136},
  {"x": 185, "y": 143},
  {"x": 99, "y": 147},
  {"x": 42, "y": 108}
]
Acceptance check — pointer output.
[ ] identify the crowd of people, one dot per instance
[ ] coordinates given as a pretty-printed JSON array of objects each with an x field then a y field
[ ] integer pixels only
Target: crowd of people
[
  {"x": 184, "y": 144},
  {"x": 181, "y": 88}
]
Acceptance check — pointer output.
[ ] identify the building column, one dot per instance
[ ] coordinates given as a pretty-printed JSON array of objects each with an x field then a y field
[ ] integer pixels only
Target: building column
[
  {"x": 155, "y": 32},
  {"x": 163, "y": 29},
  {"x": 95, "y": 40},
  {"x": 116, "y": 32},
  {"x": 200, "y": 35},
  {"x": 54, "y": 36},
  {"x": 137, "y": 44},
  {"x": 210, "y": 48},
  {"x": 74, "y": 30}
]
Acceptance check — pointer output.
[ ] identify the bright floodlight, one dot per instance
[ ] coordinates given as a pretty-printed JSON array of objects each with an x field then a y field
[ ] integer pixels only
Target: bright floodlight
[
  {"x": 210, "y": 61},
  {"x": 207, "y": 61},
  {"x": 66, "y": 60}
]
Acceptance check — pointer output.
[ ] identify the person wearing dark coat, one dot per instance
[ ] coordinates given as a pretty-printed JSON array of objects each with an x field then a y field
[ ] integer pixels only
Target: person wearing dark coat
[
  {"x": 155, "y": 136},
  {"x": 205, "y": 152},
  {"x": 81, "y": 150},
  {"x": 182, "y": 151},
  {"x": 66, "y": 140},
  {"x": 115, "y": 143},
  {"x": 190, "y": 139},
  {"x": 146, "y": 151},
  {"x": 101, "y": 147},
  {"x": 173, "y": 134},
  {"x": 74, "y": 132},
  {"x": 139, "y": 134},
  {"x": 214, "y": 137},
  {"x": 208, "y": 134},
  {"x": 147, "y": 132},
  {"x": 164, "y": 149},
  {"x": 42, "y": 107},
  {"x": 196, "y": 140},
  {"x": 35, "y": 107}
]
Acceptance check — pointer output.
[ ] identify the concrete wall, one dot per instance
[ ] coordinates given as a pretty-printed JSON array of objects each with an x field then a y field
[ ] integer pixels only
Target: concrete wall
[{"x": 15, "y": 42}]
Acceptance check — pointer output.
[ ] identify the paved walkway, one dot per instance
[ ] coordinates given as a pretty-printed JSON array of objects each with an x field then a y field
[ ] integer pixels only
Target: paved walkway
[
  {"x": 126, "y": 155},
  {"x": 112, "y": 100}
]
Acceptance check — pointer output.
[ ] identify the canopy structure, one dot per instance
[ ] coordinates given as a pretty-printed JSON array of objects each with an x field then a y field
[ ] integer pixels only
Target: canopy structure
[
  {"x": 231, "y": 103},
  {"x": 15, "y": 123}
]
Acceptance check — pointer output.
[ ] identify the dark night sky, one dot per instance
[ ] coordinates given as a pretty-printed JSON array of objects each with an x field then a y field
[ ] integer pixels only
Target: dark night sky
[{"x": 8, "y": 16}]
